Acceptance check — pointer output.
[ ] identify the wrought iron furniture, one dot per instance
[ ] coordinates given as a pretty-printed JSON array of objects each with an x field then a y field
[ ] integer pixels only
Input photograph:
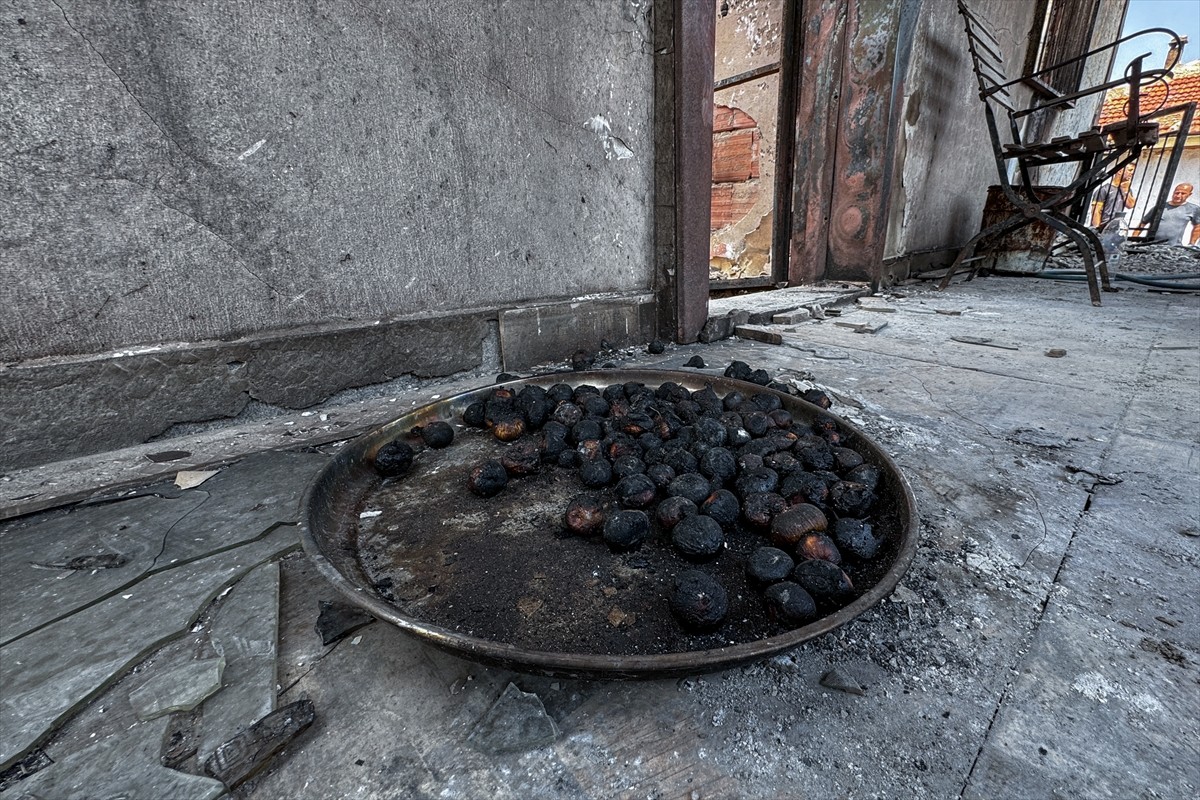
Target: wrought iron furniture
[{"x": 1098, "y": 153}]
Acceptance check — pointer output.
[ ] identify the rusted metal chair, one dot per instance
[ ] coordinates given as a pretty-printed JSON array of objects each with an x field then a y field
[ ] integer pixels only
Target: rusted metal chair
[{"x": 1099, "y": 153}]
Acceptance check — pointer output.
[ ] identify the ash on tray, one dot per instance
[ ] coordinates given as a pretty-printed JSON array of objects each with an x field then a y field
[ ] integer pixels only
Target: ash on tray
[{"x": 515, "y": 568}]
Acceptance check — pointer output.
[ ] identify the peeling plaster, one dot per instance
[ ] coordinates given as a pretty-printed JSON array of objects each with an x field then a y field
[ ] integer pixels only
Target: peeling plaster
[{"x": 613, "y": 146}]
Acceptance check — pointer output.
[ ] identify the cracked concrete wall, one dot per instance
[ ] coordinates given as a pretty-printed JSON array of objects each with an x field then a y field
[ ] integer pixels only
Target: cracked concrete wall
[{"x": 193, "y": 173}]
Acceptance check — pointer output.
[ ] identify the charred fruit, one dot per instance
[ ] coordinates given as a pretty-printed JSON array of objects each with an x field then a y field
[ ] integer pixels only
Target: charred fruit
[
  {"x": 768, "y": 565},
  {"x": 698, "y": 601},
  {"x": 789, "y": 603},
  {"x": 393, "y": 459},
  {"x": 626, "y": 530},
  {"x": 488, "y": 479}
]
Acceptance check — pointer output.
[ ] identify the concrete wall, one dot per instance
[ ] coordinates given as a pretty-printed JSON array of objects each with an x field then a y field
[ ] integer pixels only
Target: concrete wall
[{"x": 188, "y": 174}]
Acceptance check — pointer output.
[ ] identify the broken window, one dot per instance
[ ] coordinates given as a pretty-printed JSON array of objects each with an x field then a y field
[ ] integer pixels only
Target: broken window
[{"x": 1062, "y": 30}]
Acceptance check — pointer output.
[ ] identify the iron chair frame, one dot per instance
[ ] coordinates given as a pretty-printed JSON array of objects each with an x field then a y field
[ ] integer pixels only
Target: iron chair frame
[{"x": 1099, "y": 152}]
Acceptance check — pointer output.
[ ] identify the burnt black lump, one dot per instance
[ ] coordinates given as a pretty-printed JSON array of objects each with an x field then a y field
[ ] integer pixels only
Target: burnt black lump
[
  {"x": 695, "y": 361},
  {"x": 673, "y": 510},
  {"x": 626, "y": 530},
  {"x": 823, "y": 580},
  {"x": 656, "y": 347},
  {"x": 585, "y": 515},
  {"x": 393, "y": 459},
  {"x": 698, "y": 538},
  {"x": 856, "y": 537},
  {"x": 760, "y": 508},
  {"x": 635, "y": 491},
  {"x": 817, "y": 398},
  {"x": 624, "y": 466},
  {"x": 756, "y": 481},
  {"x": 693, "y": 486},
  {"x": 739, "y": 371},
  {"x": 698, "y": 601},
  {"x": 767, "y": 565},
  {"x": 436, "y": 434},
  {"x": 522, "y": 458},
  {"x": 718, "y": 464},
  {"x": 788, "y": 603},
  {"x": 722, "y": 505},
  {"x": 850, "y": 498},
  {"x": 488, "y": 479},
  {"x": 473, "y": 415},
  {"x": 661, "y": 474},
  {"x": 595, "y": 472}
]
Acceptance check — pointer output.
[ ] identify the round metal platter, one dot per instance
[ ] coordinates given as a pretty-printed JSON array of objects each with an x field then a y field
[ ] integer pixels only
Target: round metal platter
[{"x": 495, "y": 580}]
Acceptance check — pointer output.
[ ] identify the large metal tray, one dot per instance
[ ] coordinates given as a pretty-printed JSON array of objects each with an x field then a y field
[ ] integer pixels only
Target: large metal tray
[{"x": 412, "y": 550}]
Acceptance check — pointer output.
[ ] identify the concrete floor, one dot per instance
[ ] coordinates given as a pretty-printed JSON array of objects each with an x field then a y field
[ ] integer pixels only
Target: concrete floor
[{"x": 1045, "y": 643}]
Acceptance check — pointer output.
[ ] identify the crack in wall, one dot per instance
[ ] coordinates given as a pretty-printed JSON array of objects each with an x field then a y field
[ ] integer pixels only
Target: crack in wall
[{"x": 125, "y": 86}]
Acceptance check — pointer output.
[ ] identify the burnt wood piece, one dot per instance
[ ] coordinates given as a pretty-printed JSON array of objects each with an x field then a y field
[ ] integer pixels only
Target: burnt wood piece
[{"x": 245, "y": 754}]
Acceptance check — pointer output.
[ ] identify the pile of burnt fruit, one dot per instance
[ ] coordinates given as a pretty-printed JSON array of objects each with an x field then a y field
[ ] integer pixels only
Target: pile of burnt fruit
[{"x": 692, "y": 468}]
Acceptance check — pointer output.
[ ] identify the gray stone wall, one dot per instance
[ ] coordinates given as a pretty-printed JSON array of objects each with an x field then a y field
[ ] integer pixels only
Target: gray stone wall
[{"x": 188, "y": 172}]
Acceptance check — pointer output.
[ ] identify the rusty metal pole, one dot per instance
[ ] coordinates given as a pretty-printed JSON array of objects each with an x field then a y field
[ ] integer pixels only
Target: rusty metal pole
[{"x": 694, "y": 47}]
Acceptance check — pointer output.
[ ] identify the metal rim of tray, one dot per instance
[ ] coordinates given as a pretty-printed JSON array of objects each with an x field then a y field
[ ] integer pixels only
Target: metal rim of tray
[{"x": 320, "y": 504}]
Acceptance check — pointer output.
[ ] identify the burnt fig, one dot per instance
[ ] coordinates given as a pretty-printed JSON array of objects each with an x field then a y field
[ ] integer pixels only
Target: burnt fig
[
  {"x": 626, "y": 530},
  {"x": 586, "y": 429},
  {"x": 671, "y": 511},
  {"x": 436, "y": 434},
  {"x": 789, "y": 603},
  {"x": 817, "y": 398},
  {"x": 698, "y": 538},
  {"x": 759, "y": 509},
  {"x": 698, "y": 601},
  {"x": 817, "y": 546},
  {"x": 719, "y": 464},
  {"x": 851, "y": 499},
  {"x": 473, "y": 415},
  {"x": 756, "y": 481},
  {"x": 509, "y": 427},
  {"x": 488, "y": 479},
  {"x": 790, "y": 526},
  {"x": 845, "y": 459},
  {"x": 693, "y": 486},
  {"x": 756, "y": 423},
  {"x": 595, "y": 472},
  {"x": 738, "y": 370},
  {"x": 559, "y": 392},
  {"x": 522, "y": 458},
  {"x": 624, "y": 466},
  {"x": 393, "y": 459},
  {"x": 866, "y": 474},
  {"x": 594, "y": 405},
  {"x": 635, "y": 491},
  {"x": 567, "y": 413},
  {"x": 584, "y": 515},
  {"x": 856, "y": 537},
  {"x": 823, "y": 579},
  {"x": 722, "y": 505},
  {"x": 768, "y": 565},
  {"x": 661, "y": 474}
]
